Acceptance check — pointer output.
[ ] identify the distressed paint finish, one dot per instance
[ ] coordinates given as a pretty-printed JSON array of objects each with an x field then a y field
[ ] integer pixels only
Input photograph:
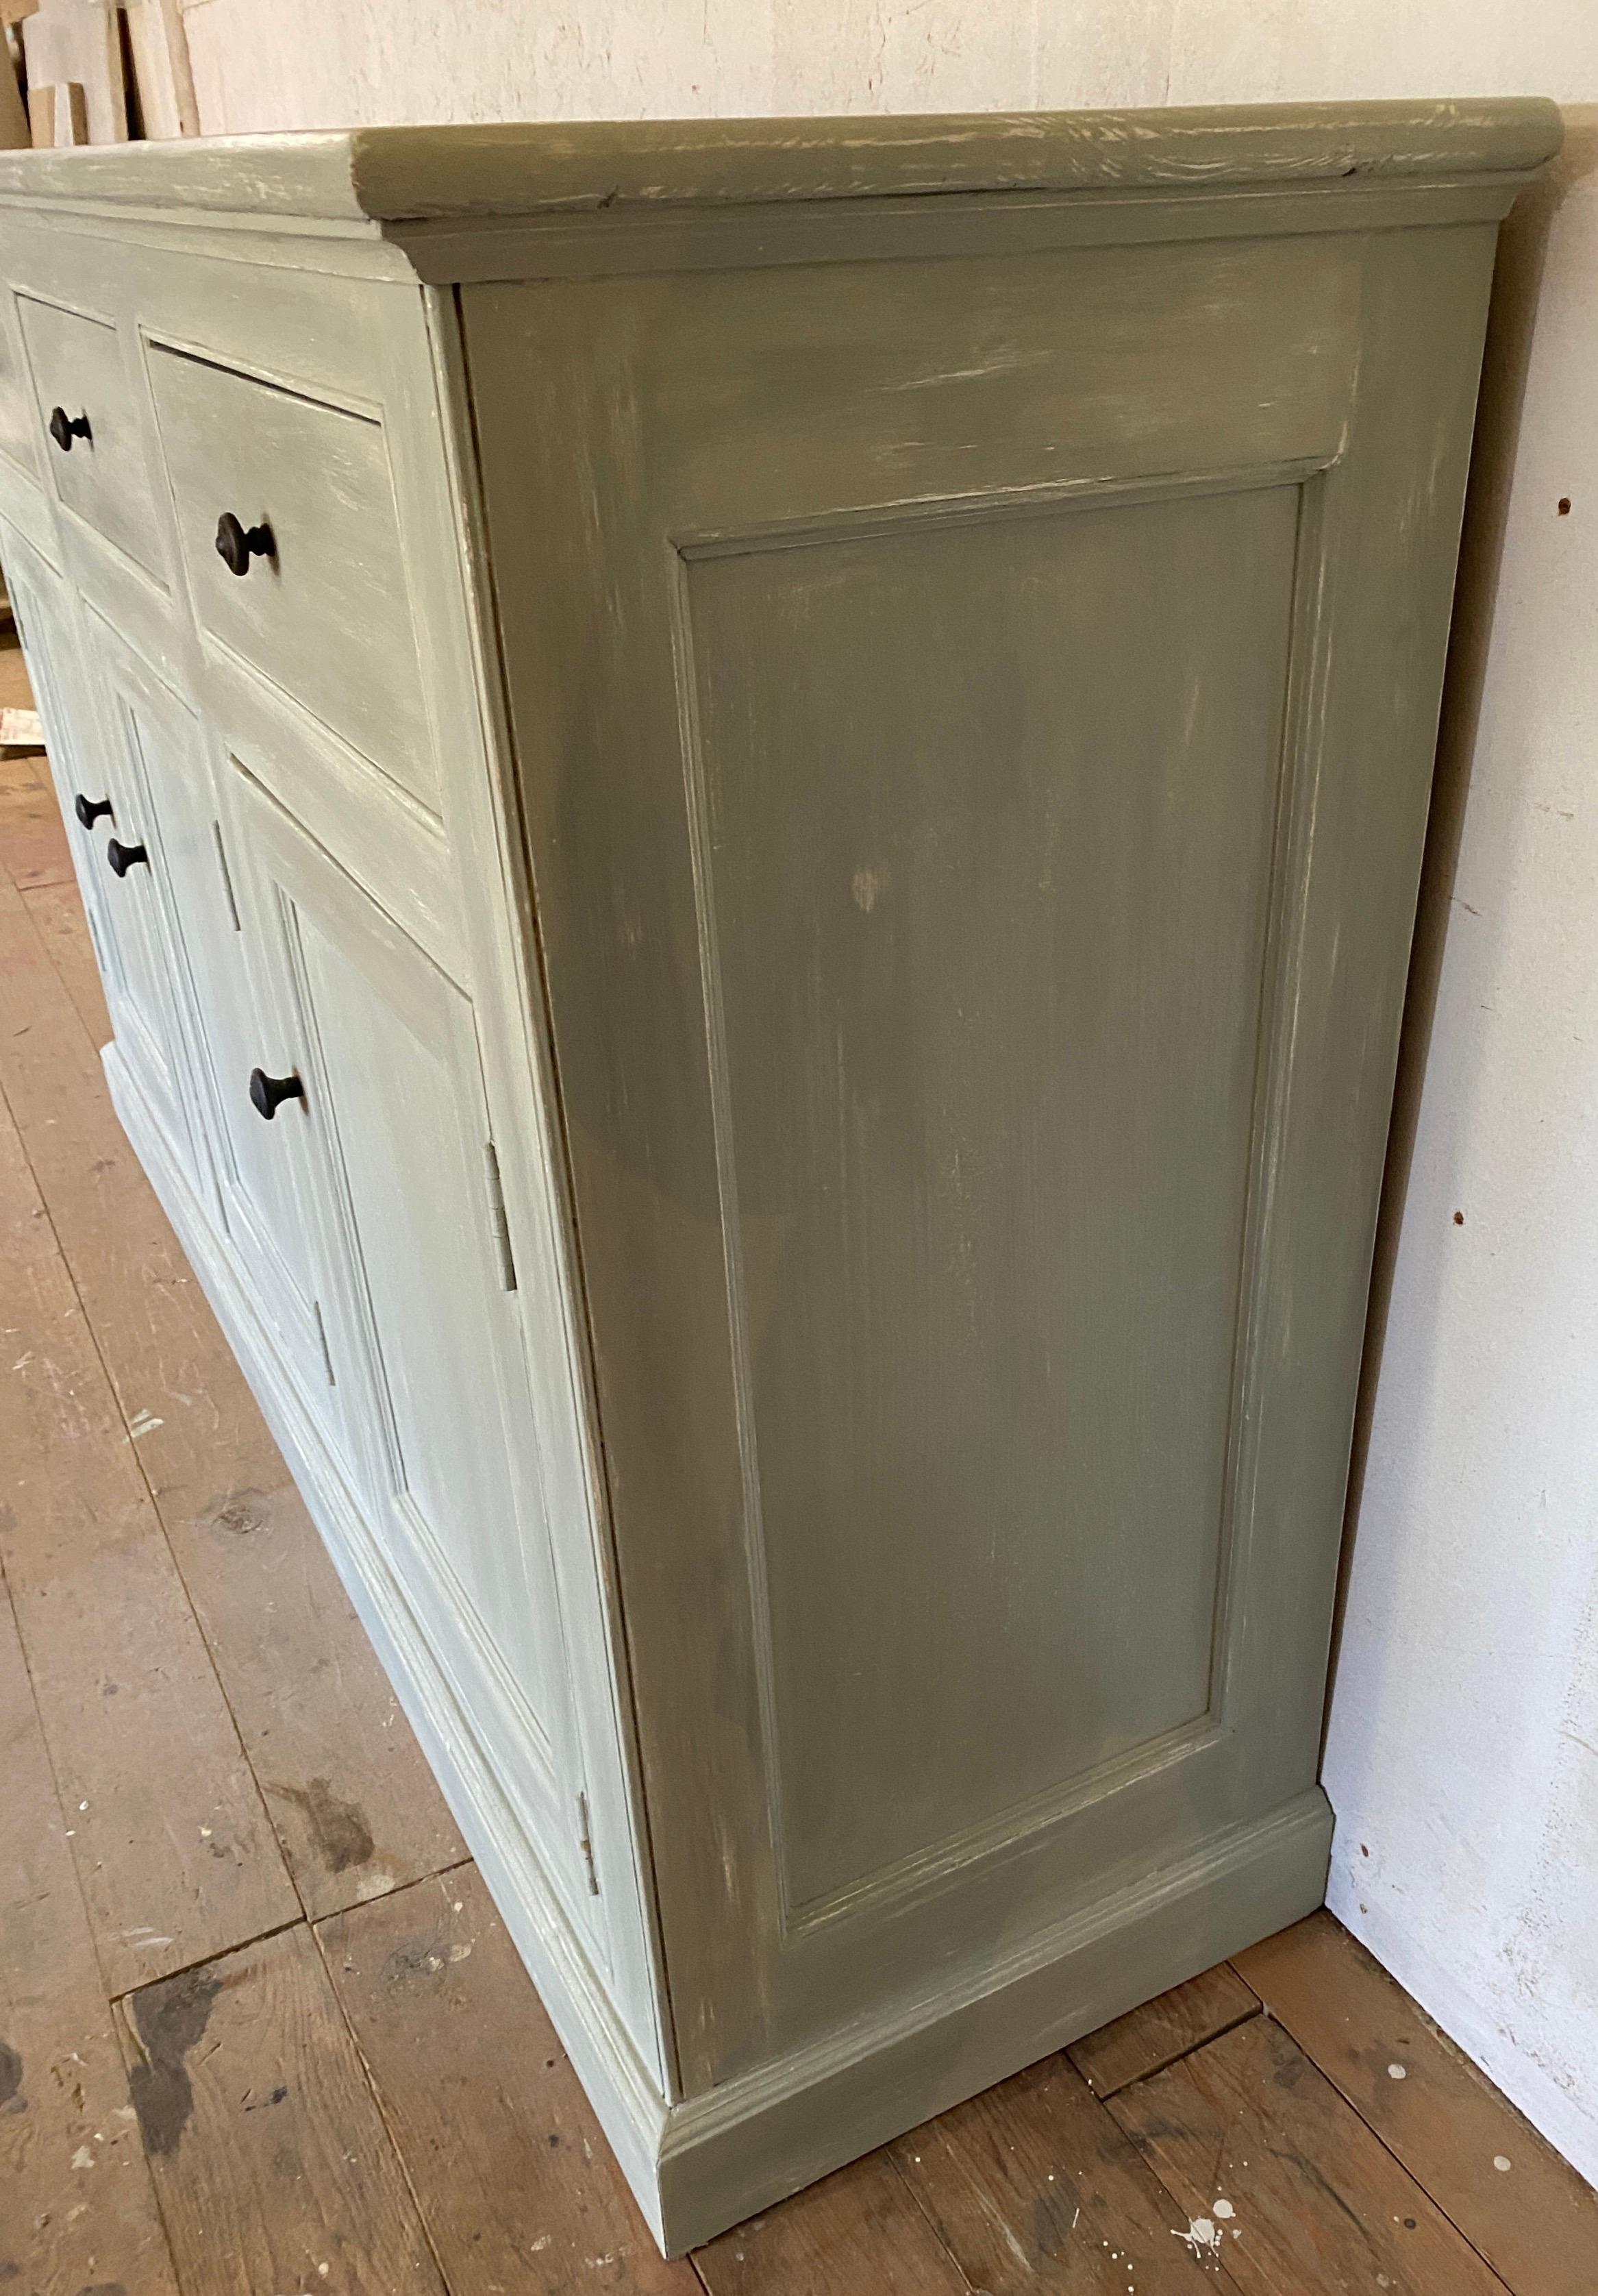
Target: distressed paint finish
[
  {"x": 75, "y": 359},
  {"x": 835, "y": 865},
  {"x": 863, "y": 659},
  {"x": 980, "y": 994},
  {"x": 398, "y": 175},
  {"x": 335, "y": 567}
]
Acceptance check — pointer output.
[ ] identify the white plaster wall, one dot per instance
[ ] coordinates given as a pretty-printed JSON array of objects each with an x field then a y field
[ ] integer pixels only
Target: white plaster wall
[
  {"x": 340, "y": 63},
  {"x": 1462, "y": 1755},
  {"x": 1463, "y": 1758}
]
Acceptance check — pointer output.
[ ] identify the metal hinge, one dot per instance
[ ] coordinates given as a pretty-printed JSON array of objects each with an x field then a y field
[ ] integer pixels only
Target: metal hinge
[
  {"x": 586, "y": 1844},
  {"x": 327, "y": 1361},
  {"x": 232, "y": 906},
  {"x": 496, "y": 1217}
]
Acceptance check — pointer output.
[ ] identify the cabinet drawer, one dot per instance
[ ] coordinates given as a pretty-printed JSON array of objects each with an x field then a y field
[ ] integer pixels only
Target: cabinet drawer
[
  {"x": 322, "y": 608},
  {"x": 100, "y": 472}
]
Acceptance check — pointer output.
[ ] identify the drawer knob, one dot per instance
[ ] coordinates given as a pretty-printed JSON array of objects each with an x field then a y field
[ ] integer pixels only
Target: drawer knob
[
  {"x": 64, "y": 428},
  {"x": 265, "y": 1092},
  {"x": 123, "y": 856},
  {"x": 237, "y": 545},
  {"x": 89, "y": 810}
]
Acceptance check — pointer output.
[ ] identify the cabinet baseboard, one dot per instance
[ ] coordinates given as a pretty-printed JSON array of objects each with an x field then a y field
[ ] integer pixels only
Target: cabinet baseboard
[
  {"x": 703, "y": 2163},
  {"x": 756, "y": 2139}
]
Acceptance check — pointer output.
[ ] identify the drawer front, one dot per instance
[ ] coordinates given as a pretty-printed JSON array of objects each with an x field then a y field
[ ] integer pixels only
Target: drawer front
[
  {"x": 78, "y": 368},
  {"x": 324, "y": 612}
]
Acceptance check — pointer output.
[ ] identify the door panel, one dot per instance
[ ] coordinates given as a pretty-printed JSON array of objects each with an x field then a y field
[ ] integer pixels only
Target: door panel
[
  {"x": 144, "y": 987},
  {"x": 255, "y": 1175},
  {"x": 969, "y": 881},
  {"x": 51, "y": 642},
  {"x": 387, "y": 1049}
]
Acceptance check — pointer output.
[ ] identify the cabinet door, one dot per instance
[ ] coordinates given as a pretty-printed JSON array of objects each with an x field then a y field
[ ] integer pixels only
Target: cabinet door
[
  {"x": 96, "y": 752},
  {"x": 253, "y": 1180},
  {"x": 45, "y": 619},
  {"x": 384, "y": 1047}
]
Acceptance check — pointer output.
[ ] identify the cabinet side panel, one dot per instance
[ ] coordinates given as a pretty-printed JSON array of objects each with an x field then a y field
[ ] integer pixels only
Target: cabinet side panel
[{"x": 974, "y": 721}]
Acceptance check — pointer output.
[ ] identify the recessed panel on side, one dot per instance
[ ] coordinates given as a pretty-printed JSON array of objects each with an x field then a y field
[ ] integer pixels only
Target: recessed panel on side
[{"x": 985, "y": 810}]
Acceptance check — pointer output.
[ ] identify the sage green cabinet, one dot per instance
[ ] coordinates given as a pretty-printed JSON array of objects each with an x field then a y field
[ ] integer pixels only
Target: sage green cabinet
[{"x": 807, "y": 759}]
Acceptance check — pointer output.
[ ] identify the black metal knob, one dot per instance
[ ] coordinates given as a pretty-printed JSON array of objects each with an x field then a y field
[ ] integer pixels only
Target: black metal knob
[
  {"x": 265, "y": 1092},
  {"x": 123, "y": 856},
  {"x": 64, "y": 428},
  {"x": 89, "y": 810},
  {"x": 237, "y": 543}
]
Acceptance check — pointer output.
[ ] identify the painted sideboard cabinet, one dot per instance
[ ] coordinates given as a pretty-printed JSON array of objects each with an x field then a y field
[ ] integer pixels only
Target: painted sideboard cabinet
[{"x": 750, "y": 794}]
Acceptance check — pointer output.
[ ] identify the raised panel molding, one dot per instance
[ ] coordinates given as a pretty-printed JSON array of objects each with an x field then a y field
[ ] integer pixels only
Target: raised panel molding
[{"x": 936, "y": 1865}]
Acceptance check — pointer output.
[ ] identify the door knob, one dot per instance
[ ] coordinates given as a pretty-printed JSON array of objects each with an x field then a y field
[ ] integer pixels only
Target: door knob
[
  {"x": 237, "y": 543},
  {"x": 123, "y": 856},
  {"x": 267, "y": 1092},
  {"x": 64, "y": 428},
  {"x": 89, "y": 810}
]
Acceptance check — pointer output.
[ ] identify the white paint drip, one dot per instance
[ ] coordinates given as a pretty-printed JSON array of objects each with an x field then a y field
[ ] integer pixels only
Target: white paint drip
[
  {"x": 1502, "y": 2163},
  {"x": 1224, "y": 2208},
  {"x": 143, "y": 1423},
  {"x": 1397, "y": 2072},
  {"x": 1203, "y": 2236}
]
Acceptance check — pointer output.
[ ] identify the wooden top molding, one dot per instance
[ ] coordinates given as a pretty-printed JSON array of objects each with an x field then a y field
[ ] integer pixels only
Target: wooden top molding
[{"x": 386, "y": 177}]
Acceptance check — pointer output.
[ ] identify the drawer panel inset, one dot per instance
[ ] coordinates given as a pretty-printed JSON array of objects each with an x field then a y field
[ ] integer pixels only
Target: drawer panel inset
[
  {"x": 90, "y": 426},
  {"x": 291, "y": 540}
]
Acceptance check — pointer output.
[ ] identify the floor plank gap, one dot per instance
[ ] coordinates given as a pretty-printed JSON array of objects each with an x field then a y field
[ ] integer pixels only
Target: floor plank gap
[
  {"x": 1157, "y": 2034},
  {"x": 188, "y": 1968}
]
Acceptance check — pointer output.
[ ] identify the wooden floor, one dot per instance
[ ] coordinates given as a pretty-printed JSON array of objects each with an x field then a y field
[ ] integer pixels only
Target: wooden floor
[{"x": 260, "y": 2027}]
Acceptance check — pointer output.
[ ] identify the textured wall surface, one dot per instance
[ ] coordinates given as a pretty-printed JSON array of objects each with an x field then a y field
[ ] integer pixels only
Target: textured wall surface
[
  {"x": 340, "y": 63},
  {"x": 1463, "y": 1758},
  {"x": 1462, "y": 1755}
]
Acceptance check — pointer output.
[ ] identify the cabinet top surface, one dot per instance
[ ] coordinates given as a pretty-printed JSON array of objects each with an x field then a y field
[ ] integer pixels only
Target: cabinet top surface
[{"x": 381, "y": 175}]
